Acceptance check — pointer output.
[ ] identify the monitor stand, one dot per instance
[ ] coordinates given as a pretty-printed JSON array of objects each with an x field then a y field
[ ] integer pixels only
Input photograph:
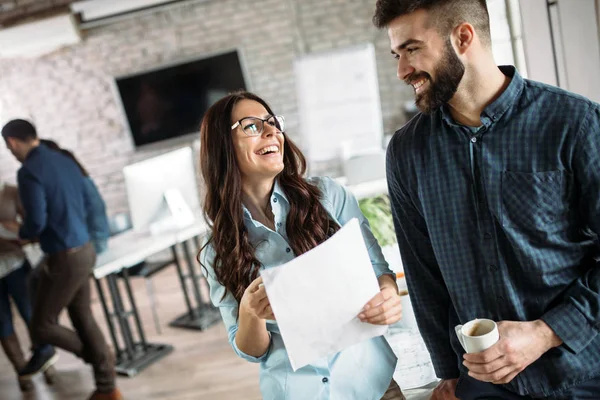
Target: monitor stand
[{"x": 178, "y": 213}]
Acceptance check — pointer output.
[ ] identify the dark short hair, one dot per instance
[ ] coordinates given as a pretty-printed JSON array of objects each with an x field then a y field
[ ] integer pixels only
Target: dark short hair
[
  {"x": 19, "y": 129},
  {"x": 445, "y": 15}
]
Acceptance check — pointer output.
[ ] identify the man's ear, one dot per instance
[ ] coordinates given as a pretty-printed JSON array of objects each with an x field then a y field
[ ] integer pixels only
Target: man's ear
[
  {"x": 10, "y": 142},
  {"x": 463, "y": 37}
]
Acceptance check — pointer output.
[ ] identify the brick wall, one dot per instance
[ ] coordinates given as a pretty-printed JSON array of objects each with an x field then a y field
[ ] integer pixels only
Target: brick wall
[{"x": 70, "y": 95}]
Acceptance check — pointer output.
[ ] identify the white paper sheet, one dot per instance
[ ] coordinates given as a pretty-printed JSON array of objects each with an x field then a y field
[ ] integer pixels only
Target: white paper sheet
[{"x": 317, "y": 296}]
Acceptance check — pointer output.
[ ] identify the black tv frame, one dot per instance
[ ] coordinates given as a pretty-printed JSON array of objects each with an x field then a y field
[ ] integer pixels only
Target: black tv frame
[{"x": 183, "y": 137}]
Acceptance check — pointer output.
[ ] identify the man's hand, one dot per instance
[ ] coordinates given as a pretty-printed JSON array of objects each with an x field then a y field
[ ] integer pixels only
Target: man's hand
[
  {"x": 520, "y": 344},
  {"x": 385, "y": 307},
  {"x": 445, "y": 390},
  {"x": 12, "y": 226}
]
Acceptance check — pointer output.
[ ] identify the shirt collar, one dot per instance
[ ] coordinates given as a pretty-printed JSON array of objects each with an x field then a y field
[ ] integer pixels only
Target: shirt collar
[
  {"x": 494, "y": 111},
  {"x": 277, "y": 193},
  {"x": 32, "y": 152}
]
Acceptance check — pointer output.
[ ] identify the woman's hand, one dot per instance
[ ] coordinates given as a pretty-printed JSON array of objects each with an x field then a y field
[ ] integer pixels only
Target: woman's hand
[
  {"x": 255, "y": 302},
  {"x": 385, "y": 307},
  {"x": 252, "y": 336},
  {"x": 12, "y": 226}
]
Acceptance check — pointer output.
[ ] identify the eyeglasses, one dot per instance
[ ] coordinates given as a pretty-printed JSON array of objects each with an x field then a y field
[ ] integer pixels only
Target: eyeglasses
[{"x": 254, "y": 126}]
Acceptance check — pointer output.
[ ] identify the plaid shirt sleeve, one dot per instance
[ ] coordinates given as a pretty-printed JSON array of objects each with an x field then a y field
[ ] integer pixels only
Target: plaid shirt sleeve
[
  {"x": 577, "y": 319},
  {"x": 429, "y": 296}
]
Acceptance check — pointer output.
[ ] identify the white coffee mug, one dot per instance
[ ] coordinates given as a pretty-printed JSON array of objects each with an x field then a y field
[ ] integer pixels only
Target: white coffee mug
[{"x": 477, "y": 335}]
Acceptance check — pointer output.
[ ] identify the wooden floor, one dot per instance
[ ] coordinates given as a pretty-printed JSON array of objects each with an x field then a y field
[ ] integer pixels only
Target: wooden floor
[{"x": 202, "y": 366}]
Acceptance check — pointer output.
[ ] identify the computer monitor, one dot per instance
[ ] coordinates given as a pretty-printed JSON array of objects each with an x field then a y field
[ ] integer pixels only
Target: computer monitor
[{"x": 162, "y": 191}]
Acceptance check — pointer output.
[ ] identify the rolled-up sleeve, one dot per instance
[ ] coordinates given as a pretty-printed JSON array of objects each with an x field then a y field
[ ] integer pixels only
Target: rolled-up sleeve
[
  {"x": 228, "y": 305},
  {"x": 345, "y": 205}
]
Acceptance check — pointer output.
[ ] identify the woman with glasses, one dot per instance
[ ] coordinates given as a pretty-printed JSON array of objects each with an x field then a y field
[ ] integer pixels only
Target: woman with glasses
[{"x": 262, "y": 213}]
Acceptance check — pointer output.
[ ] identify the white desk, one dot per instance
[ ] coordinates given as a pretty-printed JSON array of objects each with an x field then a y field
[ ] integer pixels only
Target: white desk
[
  {"x": 126, "y": 250},
  {"x": 129, "y": 248}
]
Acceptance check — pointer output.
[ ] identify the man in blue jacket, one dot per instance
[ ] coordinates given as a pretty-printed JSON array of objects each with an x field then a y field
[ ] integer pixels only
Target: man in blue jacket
[{"x": 52, "y": 190}]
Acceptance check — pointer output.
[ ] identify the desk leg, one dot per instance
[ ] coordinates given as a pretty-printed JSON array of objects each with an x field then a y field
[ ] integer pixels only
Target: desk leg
[
  {"x": 193, "y": 313},
  {"x": 136, "y": 315},
  {"x": 107, "y": 315},
  {"x": 190, "y": 262},
  {"x": 121, "y": 315},
  {"x": 204, "y": 315},
  {"x": 137, "y": 354}
]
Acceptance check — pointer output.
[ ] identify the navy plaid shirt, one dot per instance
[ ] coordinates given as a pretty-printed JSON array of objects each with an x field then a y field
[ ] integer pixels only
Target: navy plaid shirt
[{"x": 500, "y": 222}]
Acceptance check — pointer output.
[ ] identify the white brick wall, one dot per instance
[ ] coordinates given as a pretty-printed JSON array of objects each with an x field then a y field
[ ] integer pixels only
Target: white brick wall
[{"x": 70, "y": 97}]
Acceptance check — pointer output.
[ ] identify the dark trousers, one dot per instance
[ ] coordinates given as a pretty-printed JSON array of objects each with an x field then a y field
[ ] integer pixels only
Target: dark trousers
[
  {"x": 64, "y": 282},
  {"x": 14, "y": 285},
  {"x": 472, "y": 389}
]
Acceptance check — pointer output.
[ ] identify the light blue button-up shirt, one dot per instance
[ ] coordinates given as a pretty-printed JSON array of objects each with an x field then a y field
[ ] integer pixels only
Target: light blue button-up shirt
[{"x": 361, "y": 372}]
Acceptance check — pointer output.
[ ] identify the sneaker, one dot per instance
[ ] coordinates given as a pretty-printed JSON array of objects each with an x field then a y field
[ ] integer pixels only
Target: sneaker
[
  {"x": 115, "y": 394},
  {"x": 41, "y": 360}
]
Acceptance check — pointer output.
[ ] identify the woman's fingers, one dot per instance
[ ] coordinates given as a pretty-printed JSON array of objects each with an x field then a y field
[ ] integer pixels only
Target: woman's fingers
[
  {"x": 268, "y": 313},
  {"x": 255, "y": 284}
]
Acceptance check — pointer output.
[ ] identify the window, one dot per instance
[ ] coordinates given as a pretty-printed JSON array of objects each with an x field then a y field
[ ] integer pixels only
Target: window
[{"x": 507, "y": 38}]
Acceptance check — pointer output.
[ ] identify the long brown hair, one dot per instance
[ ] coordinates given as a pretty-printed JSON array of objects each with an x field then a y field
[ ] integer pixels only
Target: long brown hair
[
  {"x": 51, "y": 144},
  {"x": 308, "y": 223}
]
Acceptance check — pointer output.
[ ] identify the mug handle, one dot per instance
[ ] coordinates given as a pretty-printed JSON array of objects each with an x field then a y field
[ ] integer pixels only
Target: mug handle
[{"x": 457, "y": 329}]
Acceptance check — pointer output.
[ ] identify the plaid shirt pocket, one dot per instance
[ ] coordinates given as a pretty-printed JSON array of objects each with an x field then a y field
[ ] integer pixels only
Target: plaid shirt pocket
[{"x": 535, "y": 202}]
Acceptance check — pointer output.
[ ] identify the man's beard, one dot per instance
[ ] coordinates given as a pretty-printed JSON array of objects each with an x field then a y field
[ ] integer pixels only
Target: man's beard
[{"x": 449, "y": 72}]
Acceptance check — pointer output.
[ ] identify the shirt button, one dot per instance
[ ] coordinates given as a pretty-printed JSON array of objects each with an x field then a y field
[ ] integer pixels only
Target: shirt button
[
  {"x": 325, "y": 380},
  {"x": 279, "y": 224},
  {"x": 287, "y": 250},
  {"x": 493, "y": 267},
  {"x": 473, "y": 140},
  {"x": 275, "y": 200}
]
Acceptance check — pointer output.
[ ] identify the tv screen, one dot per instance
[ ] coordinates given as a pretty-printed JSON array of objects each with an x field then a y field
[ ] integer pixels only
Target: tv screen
[{"x": 170, "y": 102}]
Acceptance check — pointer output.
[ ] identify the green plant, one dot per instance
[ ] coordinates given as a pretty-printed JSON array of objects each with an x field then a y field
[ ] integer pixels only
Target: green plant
[{"x": 378, "y": 212}]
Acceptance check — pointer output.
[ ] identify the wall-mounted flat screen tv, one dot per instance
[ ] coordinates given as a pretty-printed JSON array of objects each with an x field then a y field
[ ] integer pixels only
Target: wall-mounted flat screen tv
[{"x": 169, "y": 102}]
